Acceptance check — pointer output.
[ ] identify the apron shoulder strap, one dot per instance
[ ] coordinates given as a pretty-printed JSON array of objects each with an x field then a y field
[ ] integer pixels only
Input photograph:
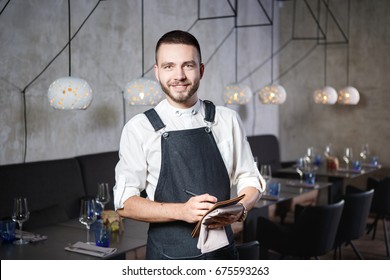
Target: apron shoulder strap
[
  {"x": 154, "y": 119},
  {"x": 209, "y": 111}
]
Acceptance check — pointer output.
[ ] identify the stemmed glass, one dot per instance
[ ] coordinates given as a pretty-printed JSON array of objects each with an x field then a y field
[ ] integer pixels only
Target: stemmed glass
[
  {"x": 103, "y": 195},
  {"x": 87, "y": 214},
  {"x": 300, "y": 167},
  {"x": 348, "y": 156},
  {"x": 364, "y": 154},
  {"x": 328, "y": 150},
  {"x": 20, "y": 215},
  {"x": 265, "y": 171}
]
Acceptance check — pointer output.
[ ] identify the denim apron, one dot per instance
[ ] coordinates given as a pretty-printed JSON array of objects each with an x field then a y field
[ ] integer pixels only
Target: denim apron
[{"x": 190, "y": 161}]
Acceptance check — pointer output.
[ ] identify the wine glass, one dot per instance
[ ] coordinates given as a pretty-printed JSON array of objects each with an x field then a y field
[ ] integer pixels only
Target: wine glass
[
  {"x": 87, "y": 214},
  {"x": 20, "y": 215},
  {"x": 348, "y": 156},
  {"x": 328, "y": 150},
  {"x": 265, "y": 171},
  {"x": 310, "y": 154},
  {"x": 364, "y": 154},
  {"x": 300, "y": 167},
  {"x": 103, "y": 195}
]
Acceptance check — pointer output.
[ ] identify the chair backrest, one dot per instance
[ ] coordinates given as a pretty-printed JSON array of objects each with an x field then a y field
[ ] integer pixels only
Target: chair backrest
[
  {"x": 315, "y": 228},
  {"x": 355, "y": 214},
  {"x": 98, "y": 168},
  {"x": 249, "y": 250},
  {"x": 266, "y": 149},
  {"x": 381, "y": 200}
]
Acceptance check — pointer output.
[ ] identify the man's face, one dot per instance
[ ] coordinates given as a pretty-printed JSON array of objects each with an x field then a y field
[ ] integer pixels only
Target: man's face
[{"x": 179, "y": 71}]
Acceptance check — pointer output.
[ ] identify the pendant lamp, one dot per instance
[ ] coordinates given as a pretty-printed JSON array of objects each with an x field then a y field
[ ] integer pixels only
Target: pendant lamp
[
  {"x": 237, "y": 94},
  {"x": 326, "y": 95},
  {"x": 143, "y": 91},
  {"x": 69, "y": 93},
  {"x": 348, "y": 96},
  {"x": 272, "y": 94}
]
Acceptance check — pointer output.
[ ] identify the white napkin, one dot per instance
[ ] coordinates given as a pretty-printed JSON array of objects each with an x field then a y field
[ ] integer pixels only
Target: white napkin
[
  {"x": 29, "y": 236},
  {"x": 213, "y": 239},
  {"x": 92, "y": 250}
]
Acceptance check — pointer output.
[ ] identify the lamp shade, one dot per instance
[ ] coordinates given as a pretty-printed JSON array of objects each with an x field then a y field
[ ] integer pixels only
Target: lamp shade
[
  {"x": 237, "y": 94},
  {"x": 326, "y": 95},
  {"x": 70, "y": 93},
  {"x": 274, "y": 94},
  {"x": 143, "y": 91},
  {"x": 348, "y": 96}
]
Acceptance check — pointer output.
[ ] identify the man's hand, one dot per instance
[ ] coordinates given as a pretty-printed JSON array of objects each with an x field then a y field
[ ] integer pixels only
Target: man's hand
[{"x": 196, "y": 207}]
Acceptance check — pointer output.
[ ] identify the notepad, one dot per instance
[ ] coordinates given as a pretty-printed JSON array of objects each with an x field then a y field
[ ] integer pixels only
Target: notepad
[{"x": 220, "y": 204}]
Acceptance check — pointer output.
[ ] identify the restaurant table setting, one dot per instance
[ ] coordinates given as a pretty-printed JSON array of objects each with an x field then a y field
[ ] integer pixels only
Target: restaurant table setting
[{"x": 103, "y": 237}]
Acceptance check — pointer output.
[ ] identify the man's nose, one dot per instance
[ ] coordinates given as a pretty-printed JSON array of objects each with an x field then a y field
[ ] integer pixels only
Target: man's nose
[{"x": 180, "y": 74}]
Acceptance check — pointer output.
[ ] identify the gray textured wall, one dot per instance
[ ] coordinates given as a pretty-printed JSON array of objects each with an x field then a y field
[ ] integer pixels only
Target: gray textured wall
[
  {"x": 303, "y": 123},
  {"x": 107, "y": 53}
]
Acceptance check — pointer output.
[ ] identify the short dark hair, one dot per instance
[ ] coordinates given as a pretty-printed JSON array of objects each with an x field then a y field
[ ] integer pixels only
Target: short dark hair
[{"x": 179, "y": 37}]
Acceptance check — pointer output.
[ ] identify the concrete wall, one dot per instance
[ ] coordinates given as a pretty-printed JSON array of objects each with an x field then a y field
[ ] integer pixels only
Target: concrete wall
[
  {"x": 303, "y": 123},
  {"x": 107, "y": 52}
]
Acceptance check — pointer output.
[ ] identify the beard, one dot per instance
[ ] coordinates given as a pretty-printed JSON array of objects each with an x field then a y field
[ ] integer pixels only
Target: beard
[{"x": 181, "y": 96}]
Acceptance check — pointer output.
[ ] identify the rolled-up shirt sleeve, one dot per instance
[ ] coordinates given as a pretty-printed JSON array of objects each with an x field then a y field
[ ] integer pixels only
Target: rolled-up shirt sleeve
[
  {"x": 244, "y": 170},
  {"x": 130, "y": 172}
]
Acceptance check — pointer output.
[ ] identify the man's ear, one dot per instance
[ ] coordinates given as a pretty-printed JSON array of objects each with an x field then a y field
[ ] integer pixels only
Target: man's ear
[
  {"x": 156, "y": 72},
  {"x": 201, "y": 70}
]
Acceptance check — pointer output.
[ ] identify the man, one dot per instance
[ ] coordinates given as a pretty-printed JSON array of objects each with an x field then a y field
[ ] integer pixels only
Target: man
[{"x": 186, "y": 154}]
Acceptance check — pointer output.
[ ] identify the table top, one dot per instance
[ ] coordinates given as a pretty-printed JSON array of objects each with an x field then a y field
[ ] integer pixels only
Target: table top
[
  {"x": 61, "y": 235},
  {"x": 289, "y": 189},
  {"x": 341, "y": 173}
]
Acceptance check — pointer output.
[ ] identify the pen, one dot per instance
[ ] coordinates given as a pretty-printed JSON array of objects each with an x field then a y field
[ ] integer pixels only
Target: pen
[{"x": 189, "y": 192}]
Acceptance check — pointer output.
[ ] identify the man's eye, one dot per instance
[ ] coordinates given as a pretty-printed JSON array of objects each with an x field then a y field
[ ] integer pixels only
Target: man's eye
[
  {"x": 189, "y": 66},
  {"x": 168, "y": 67}
]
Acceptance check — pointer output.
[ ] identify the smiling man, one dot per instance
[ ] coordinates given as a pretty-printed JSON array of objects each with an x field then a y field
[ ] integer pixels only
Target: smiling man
[{"x": 186, "y": 154}]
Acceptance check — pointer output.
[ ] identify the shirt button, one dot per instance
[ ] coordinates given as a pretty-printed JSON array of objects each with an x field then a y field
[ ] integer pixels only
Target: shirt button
[
  {"x": 194, "y": 112},
  {"x": 178, "y": 113}
]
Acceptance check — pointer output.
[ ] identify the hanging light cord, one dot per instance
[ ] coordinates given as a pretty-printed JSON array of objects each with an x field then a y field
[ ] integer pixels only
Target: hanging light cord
[
  {"x": 71, "y": 38},
  {"x": 2, "y": 10},
  {"x": 45, "y": 68}
]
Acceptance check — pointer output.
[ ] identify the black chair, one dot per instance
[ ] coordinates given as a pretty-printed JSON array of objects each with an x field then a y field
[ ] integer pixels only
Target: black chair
[
  {"x": 311, "y": 235},
  {"x": 266, "y": 149},
  {"x": 353, "y": 221},
  {"x": 380, "y": 206},
  {"x": 249, "y": 250}
]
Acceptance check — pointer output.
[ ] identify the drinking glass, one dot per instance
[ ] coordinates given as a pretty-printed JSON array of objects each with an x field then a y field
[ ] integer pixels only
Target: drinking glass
[
  {"x": 348, "y": 156},
  {"x": 87, "y": 214},
  {"x": 20, "y": 215},
  {"x": 310, "y": 154},
  {"x": 364, "y": 154},
  {"x": 103, "y": 195},
  {"x": 328, "y": 150},
  {"x": 265, "y": 171},
  {"x": 300, "y": 167}
]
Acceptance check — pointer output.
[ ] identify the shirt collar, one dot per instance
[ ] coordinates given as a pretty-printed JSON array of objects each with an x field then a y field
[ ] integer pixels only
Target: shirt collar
[{"x": 188, "y": 111}]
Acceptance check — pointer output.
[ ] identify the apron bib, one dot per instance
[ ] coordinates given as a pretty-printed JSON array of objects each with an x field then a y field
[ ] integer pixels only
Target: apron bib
[{"x": 190, "y": 161}]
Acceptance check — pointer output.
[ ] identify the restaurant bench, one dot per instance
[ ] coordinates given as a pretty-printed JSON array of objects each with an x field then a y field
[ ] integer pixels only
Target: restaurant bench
[{"x": 54, "y": 187}]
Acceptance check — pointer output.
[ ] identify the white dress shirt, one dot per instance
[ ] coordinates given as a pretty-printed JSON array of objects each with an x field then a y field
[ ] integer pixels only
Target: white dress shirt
[{"x": 140, "y": 149}]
